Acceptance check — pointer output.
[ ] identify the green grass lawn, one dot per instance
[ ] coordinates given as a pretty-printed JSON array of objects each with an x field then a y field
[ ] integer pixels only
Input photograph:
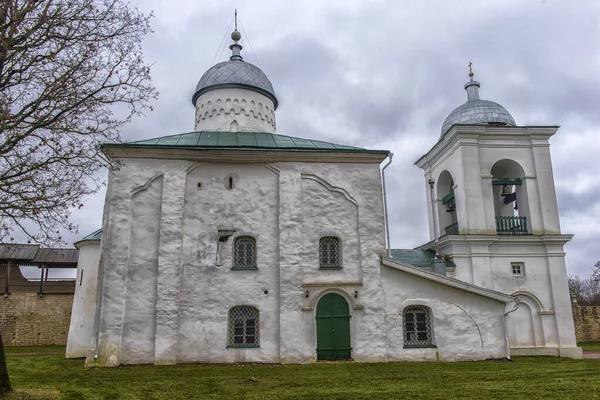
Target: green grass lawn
[
  {"x": 52, "y": 377},
  {"x": 590, "y": 346},
  {"x": 34, "y": 349}
]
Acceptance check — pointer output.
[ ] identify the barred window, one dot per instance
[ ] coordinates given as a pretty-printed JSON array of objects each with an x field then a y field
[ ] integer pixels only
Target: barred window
[
  {"x": 329, "y": 252},
  {"x": 243, "y": 327},
  {"x": 417, "y": 326},
  {"x": 244, "y": 250}
]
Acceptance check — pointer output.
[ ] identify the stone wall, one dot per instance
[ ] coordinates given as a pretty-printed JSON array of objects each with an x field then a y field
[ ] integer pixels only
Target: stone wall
[
  {"x": 587, "y": 323},
  {"x": 27, "y": 319}
]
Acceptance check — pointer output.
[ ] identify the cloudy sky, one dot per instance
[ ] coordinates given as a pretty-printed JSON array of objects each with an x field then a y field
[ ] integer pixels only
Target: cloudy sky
[{"x": 384, "y": 75}]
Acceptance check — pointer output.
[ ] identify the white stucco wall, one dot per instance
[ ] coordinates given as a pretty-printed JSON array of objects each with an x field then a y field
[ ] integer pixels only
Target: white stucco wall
[
  {"x": 545, "y": 324},
  {"x": 233, "y": 110},
  {"x": 208, "y": 292},
  {"x": 466, "y": 326},
  {"x": 159, "y": 263},
  {"x": 81, "y": 328}
]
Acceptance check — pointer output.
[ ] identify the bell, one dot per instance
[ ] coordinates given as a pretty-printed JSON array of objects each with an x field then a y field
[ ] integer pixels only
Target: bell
[
  {"x": 506, "y": 190},
  {"x": 451, "y": 206}
]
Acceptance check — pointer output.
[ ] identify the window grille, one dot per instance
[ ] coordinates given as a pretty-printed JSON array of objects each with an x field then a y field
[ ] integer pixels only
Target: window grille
[
  {"x": 417, "y": 326},
  {"x": 243, "y": 327},
  {"x": 244, "y": 253},
  {"x": 329, "y": 252}
]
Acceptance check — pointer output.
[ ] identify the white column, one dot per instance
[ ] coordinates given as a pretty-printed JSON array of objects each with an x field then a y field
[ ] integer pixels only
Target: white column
[
  {"x": 292, "y": 336},
  {"x": 545, "y": 186},
  {"x": 472, "y": 191},
  {"x": 560, "y": 292},
  {"x": 169, "y": 266},
  {"x": 114, "y": 273}
]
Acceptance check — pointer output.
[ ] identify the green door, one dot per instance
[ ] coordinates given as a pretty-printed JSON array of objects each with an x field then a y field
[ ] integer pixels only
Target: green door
[{"x": 333, "y": 328}]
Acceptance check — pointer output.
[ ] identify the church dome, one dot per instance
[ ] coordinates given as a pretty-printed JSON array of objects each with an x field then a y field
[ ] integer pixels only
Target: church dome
[
  {"x": 235, "y": 73},
  {"x": 235, "y": 96},
  {"x": 477, "y": 111}
]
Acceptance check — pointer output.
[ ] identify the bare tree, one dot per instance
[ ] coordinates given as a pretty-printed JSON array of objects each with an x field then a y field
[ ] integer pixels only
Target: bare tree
[
  {"x": 596, "y": 272},
  {"x": 72, "y": 74},
  {"x": 586, "y": 290}
]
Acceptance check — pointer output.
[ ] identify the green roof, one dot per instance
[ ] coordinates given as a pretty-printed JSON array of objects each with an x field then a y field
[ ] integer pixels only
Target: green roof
[
  {"x": 416, "y": 258},
  {"x": 241, "y": 140},
  {"x": 93, "y": 236}
]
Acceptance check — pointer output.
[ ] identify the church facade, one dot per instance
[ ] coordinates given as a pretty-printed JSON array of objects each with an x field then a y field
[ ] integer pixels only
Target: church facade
[{"x": 233, "y": 243}]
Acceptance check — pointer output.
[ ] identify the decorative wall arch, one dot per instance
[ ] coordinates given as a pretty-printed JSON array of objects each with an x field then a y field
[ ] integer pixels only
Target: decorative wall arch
[
  {"x": 525, "y": 325},
  {"x": 145, "y": 186},
  {"x": 330, "y": 187},
  {"x": 314, "y": 298},
  {"x": 445, "y": 316},
  {"x": 333, "y": 209},
  {"x": 533, "y": 297}
]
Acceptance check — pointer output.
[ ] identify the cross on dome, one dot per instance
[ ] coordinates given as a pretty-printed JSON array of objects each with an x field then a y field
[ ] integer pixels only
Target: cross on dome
[{"x": 236, "y": 48}]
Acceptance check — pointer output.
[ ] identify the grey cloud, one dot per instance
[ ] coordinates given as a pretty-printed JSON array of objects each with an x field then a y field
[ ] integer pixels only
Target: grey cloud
[{"x": 387, "y": 74}]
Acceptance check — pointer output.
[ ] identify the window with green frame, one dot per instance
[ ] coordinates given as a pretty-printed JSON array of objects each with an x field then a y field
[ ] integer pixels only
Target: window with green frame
[
  {"x": 244, "y": 253},
  {"x": 243, "y": 327},
  {"x": 418, "y": 327},
  {"x": 329, "y": 253}
]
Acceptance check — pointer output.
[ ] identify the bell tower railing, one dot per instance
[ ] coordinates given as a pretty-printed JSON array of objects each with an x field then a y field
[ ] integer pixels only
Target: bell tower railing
[
  {"x": 452, "y": 229},
  {"x": 511, "y": 225}
]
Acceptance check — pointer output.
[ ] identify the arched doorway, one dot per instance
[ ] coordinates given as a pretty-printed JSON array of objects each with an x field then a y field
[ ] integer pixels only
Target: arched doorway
[{"x": 333, "y": 328}]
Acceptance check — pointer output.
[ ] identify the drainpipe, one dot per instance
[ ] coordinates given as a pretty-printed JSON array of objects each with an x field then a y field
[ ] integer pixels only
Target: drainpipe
[
  {"x": 506, "y": 344},
  {"x": 431, "y": 181},
  {"x": 385, "y": 207}
]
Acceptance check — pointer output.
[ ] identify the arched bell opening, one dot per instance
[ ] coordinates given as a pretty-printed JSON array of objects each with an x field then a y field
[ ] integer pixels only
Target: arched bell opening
[
  {"x": 446, "y": 205},
  {"x": 511, "y": 206}
]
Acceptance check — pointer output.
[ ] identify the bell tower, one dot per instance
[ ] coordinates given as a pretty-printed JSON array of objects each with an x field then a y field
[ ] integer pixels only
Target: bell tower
[
  {"x": 495, "y": 208},
  {"x": 492, "y": 177}
]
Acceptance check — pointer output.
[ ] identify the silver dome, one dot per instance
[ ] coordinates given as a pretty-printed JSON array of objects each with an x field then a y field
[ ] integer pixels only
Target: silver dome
[
  {"x": 235, "y": 73},
  {"x": 477, "y": 111}
]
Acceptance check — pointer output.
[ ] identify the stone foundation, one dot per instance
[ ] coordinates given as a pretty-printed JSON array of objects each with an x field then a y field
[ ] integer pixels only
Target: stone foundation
[{"x": 28, "y": 319}]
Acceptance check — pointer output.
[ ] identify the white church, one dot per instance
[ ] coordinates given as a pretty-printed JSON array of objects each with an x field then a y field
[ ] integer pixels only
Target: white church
[{"x": 233, "y": 243}]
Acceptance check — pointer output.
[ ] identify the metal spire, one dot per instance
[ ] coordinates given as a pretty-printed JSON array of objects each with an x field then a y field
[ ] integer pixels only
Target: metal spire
[
  {"x": 235, "y": 36},
  {"x": 472, "y": 87}
]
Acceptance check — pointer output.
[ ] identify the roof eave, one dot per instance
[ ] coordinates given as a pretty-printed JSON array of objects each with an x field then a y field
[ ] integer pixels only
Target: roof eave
[
  {"x": 532, "y": 130},
  {"x": 451, "y": 282},
  {"x": 85, "y": 242},
  {"x": 244, "y": 154}
]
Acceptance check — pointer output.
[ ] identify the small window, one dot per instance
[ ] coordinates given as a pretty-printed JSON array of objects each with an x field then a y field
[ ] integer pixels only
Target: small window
[
  {"x": 243, "y": 327},
  {"x": 417, "y": 327},
  {"x": 244, "y": 250},
  {"x": 329, "y": 253},
  {"x": 518, "y": 268},
  {"x": 230, "y": 181}
]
